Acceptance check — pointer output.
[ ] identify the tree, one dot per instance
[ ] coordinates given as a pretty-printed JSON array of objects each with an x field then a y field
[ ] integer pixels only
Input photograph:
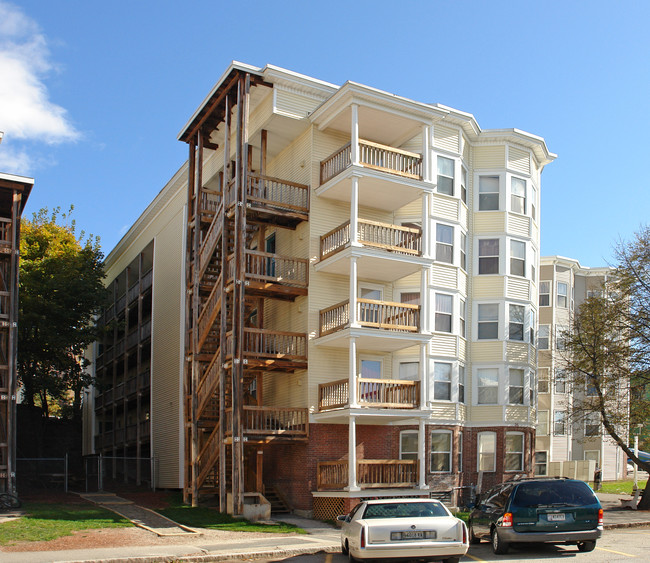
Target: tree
[
  {"x": 607, "y": 349},
  {"x": 61, "y": 293}
]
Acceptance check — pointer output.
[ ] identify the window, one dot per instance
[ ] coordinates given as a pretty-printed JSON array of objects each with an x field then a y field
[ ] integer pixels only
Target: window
[
  {"x": 410, "y": 297},
  {"x": 560, "y": 337},
  {"x": 408, "y": 444},
  {"x": 445, "y": 243},
  {"x": 461, "y": 315},
  {"x": 463, "y": 185},
  {"x": 593, "y": 454},
  {"x": 488, "y": 321},
  {"x": 459, "y": 453},
  {"x": 544, "y": 293},
  {"x": 562, "y": 292},
  {"x": 559, "y": 423},
  {"x": 371, "y": 369},
  {"x": 516, "y": 387},
  {"x": 531, "y": 328},
  {"x": 488, "y": 256},
  {"x": 443, "y": 312},
  {"x": 441, "y": 381},
  {"x": 542, "y": 423},
  {"x": 592, "y": 424},
  {"x": 540, "y": 463},
  {"x": 409, "y": 371},
  {"x": 533, "y": 263},
  {"x": 533, "y": 202},
  {"x": 488, "y": 386},
  {"x": 463, "y": 251},
  {"x": 488, "y": 193},
  {"x": 516, "y": 323},
  {"x": 543, "y": 381},
  {"x": 514, "y": 451},
  {"x": 560, "y": 381},
  {"x": 517, "y": 195},
  {"x": 440, "y": 451},
  {"x": 590, "y": 389},
  {"x": 543, "y": 337},
  {"x": 517, "y": 258},
  {"x": 461, "y": 384},
  {"x": 369, "y": 312},
  {"x": 487, "y": 448},
  {"x": 445, "y": 176}
]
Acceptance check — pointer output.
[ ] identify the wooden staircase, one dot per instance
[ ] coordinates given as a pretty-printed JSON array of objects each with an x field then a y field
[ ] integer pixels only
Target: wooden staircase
[{"x": 278, "y": 503}]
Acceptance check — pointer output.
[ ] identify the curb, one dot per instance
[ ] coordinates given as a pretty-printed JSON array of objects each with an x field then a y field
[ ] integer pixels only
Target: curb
[{"x": 626, "y": 525}]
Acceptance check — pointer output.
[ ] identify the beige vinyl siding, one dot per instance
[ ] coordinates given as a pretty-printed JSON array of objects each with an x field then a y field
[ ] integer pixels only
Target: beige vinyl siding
[
  {"x": 463, "y": 280},
  {"x": 325, "y": 366},
  {"x": 408, "y": 282},
  {"x": 487, "y": 287},
  {"x": 413, "y": 145},
  {"x": 293, "y": 103},
  {"x": 517, "y": 414},
  {"x": 466, "y": 150},
  {"x": 444, "y": 276},
  {"x": 518, "y": 288},
  {"x": 292, "y": 163},
  {"x": 462, "y": 348},
  {"x": 413, "y": 209},
  {"x": 489, "y": 222},
  {"x": 325, "y": 290},
  {"x": 518, "y": 225},
  {"x": 487, "y": 351},
  {"x": 518, "y": 352},
  {"x": 323, "y": 146},
  {"x": 446, "y": 138},
  {"x": 259, "y": 118},
  {"x": 489, "y": 156},
  {"x": 444, "y": 345},
  {"x": 445, "y": 207},
  {"x": 463, "y": 212},
  {"x": 285, "y": 390},
  {"x": 488, "y": 413},
  {"x": 443, "y": 411},
  {"x": 519, "y": 160}
]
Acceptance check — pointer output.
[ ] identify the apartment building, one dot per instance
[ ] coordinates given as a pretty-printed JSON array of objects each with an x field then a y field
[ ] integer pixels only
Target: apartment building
[
  {"x": 563, "y": 285},
  {"x": 334, "y": 298}
]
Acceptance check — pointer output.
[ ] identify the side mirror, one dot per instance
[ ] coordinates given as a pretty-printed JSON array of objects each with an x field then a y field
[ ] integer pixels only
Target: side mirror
[{"x": 342, "y": 518}]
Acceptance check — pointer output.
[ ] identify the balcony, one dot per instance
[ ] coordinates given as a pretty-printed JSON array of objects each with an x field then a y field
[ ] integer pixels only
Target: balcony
[
  {"x": 371, "y": 473},
  {"x": 371, "y": 393},
  {"x": 271, "y": 422},
  {"x": 272, "y": 350},
  {"x": 384, "y": 315}
]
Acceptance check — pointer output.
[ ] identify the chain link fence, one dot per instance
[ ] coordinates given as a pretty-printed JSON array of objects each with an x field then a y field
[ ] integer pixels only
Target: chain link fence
[{"x": 117, "y": 473}]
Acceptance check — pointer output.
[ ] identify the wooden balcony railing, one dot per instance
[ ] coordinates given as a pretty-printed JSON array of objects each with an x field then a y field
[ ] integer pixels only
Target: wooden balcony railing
[
  {"x": 209, "y": 312},
  {"x": 402, "y": 317},
  {"x": 274, "y": 268},
  {"x": 147, "y": 280},
  {"x": 376, "y": 156},
  {"x": 210, "y": 201},
  {"x": 262, "y": 343},
  {"x": 371, "y": 473},
  {"x": 272, "y": 421},
  {"x": 208, "y": 383},
  {"x": 6, "y": 231},
  {"x": 375, "y": 393},
  {"x": 273, "y": 193},
  {"x": 5, "y": 304},
  {"x": 395, "y": 238}
]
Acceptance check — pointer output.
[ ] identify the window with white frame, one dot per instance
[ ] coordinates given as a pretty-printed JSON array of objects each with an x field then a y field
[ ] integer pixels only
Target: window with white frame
[
  {"x": 461, "y": 384},
  {"x": 463, "y": 184},
  {"x": 488, "y": 321},
  {"x": 487, "y": 451},
  {"x": 560, "y": 381},
  {"x": 459, "y": 453},
  {"x": 444, "y": 309},
  {"x": 516, "y": 386},
  {"x": 517, "y": 258},
  {"x": 410, "y": 297},
  {"x": 559, "y": 423},
  {"x": 544, "y": 293},
  {"x": 541, "y": 462},
  {"x": 590, "y": 389},
  {"x": 516, "y": 322},
  {"x": 517, "y": 195},
  {"x": 488, "y": 256},
  {"x": 371, "y": 368},
  {"x": 408, "y": 444},
  {"x": 533, "y": 262},
  {"x": 543, "y": 380},
  {"x": 542, "y": 423},
  {"x": 531, "y": 327},
  {"x": 444, "y": 243},
  {"x": 560, "y": 337},
  {"x": 442, "y": 381},
  {"x": 441, "y": 451},
  {"x": 514, "y": 451},
  {"x": 592, "y": 424},
  {"x": 488, "y": 193},
  {"x": 463, "y": 251},
  {"x": 461, "y": 317},
  {"x": 562, "y": 294},
  {"x": 409, "y": 371},
  {"x": 532, "y": 388},
  {"x": 369, "y": 312},
  {"x": 488, "y": 386},
  {"x": 445, "y": 176},
  {"x": 533, "y": 202},
  {"x": 543, "y": 337}
]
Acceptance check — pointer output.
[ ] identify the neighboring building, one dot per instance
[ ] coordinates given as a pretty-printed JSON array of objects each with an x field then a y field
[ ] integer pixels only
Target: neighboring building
[
  {"x": 14, "y": 191},
  {"x": 353, "y": 276},
  {"x": 563, "y": 285}
]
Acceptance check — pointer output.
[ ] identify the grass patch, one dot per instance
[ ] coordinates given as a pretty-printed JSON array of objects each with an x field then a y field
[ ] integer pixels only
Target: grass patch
[
  {"x": 620, "y": 487},
  {"x": 462, "y": 515},
  {"x": 47, "y": 521}
]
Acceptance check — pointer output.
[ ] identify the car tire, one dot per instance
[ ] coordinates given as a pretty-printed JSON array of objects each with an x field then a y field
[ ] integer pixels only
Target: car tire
[
  {"x": 351, "y": 558},
  {"x": 588, "y": 545},
  {"x": 473, "y": 539},
  {"x": 344, "y": 548},
  {"x": 499, "y": 546}
]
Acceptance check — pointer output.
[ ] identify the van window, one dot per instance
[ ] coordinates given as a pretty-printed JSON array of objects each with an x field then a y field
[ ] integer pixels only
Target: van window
[{"x": 554, "y": 493}]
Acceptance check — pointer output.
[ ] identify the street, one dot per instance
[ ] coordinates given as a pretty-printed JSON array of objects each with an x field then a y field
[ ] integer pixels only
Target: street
[{"x": 616, "y": 545}]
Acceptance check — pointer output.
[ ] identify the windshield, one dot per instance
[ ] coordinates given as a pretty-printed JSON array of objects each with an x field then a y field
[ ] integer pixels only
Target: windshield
[
  {"x": 554, "y": 493},
  {"x": 405, "y": 510}
]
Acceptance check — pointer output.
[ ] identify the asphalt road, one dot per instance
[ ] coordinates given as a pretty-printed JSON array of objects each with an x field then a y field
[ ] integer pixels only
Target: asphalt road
[{"x": 626, "y": 544}]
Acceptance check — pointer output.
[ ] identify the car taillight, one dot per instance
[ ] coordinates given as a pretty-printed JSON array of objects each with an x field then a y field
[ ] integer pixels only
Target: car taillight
[
  {"x": 507, "y": 520},
  {"x": 362, "y": 543},
  {"x": 464, "y": 533},
  {"x": 600, "y": 517}
]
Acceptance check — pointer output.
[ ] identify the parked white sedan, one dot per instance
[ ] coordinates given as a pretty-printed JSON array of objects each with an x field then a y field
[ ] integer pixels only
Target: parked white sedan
[{"x": 393, "y": 529}]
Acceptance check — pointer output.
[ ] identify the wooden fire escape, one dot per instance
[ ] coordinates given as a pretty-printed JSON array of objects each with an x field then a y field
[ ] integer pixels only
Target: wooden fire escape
[{"x": 228, "y": 281}]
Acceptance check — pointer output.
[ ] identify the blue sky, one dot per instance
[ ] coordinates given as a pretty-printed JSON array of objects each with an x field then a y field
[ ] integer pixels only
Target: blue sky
[{"x": 93, "y": 94}]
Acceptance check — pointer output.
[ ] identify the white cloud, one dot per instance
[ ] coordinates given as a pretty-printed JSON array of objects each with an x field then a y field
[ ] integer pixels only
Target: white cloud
[
  {"x": 14, "y": 161},
  {"x": 26, "y": 111}
]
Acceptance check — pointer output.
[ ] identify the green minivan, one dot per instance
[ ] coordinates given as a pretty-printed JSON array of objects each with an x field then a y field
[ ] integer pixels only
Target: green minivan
[{"x": 549, "y": 510}]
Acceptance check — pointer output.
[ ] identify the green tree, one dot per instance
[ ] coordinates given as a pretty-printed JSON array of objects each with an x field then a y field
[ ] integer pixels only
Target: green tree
[
  {"x": 61, "y": 293},
  {"x": 607, "y": 350}
]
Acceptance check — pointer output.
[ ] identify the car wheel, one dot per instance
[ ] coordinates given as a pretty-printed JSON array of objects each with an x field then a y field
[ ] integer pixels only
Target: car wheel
[
  {"x": 344, "y": 548},
  {"x": 472, "y": 537},
  {"x": 589, "y": 545},
  {"x": 498, "y": 545}
]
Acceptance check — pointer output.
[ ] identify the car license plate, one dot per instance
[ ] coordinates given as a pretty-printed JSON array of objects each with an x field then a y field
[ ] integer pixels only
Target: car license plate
[
  {"x": 556, "y": 517},
  {"x": 412, "y": 535}
]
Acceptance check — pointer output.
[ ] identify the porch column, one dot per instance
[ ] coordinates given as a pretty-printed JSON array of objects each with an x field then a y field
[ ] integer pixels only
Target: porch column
[
  {"x": 352, "y": 456},
  {"x": 422, "y": 465},
  {"x": 353, "y": 292},
  {"x": 424, "y": 375},
  {"x": 426, "y": 225},
  {"x": 354, "y": 134},
  {"x": 424, "y": 299},
  {"x": 426, "y": 153},
  {"x": 354, "y": 211},
  {"x": 352, "y": 373}
]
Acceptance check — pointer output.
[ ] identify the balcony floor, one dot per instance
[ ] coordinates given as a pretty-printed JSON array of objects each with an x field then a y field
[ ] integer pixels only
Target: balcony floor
[{"x": 372, "y": 339}]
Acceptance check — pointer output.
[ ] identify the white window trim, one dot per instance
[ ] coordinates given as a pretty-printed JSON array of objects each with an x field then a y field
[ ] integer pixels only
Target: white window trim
[
  {"x": 502, "y": 192},
  {"x": 478, "y": 452},
  {"x": 500, "y": 321},
  {"x": 453, "y": 377},
  {"x": 501, "y": 257},
  {"x": 547, "y": 429},
  {"x": 450, "y": 452},
  {"x": 525, "y": 386},
  {"x": 523, "y": 451},
  {"x": 475, "y": 386},
  {"x": 403, "y": 432},
  {"x": 370, "y": 357},
  {"x": 405, "y": 360},
  {"x": 455, "y": 253},
  {"x": 545, "y": 463}
]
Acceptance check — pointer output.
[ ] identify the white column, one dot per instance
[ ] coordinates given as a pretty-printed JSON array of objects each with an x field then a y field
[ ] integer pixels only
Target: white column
[
  {"x": 354, "y": 212},
  {"x": 426, "y": 225},
  {"x": 424, "y": 300},
  {"x": 422, "y": 484},
  {"x": 353, "y": 292},
  {"x": 352, "y": 373},
  {"x": 426, "y": 153},
  {"x": 352, "y": 455},
  {"x": 354, "y": 133},
  {"x": 424, "y": 374}
]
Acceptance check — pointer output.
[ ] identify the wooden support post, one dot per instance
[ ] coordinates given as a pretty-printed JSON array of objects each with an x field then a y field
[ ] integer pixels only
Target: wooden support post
[{"x": 263, "y": 145}]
